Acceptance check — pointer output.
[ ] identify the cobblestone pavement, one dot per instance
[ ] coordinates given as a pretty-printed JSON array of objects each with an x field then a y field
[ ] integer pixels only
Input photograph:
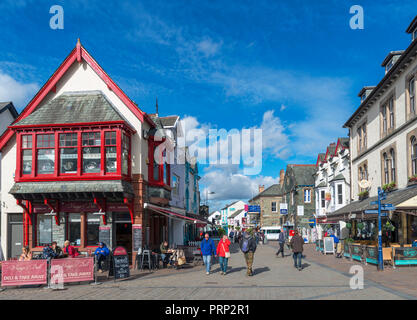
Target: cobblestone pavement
[{"x": 275, "y": 278}]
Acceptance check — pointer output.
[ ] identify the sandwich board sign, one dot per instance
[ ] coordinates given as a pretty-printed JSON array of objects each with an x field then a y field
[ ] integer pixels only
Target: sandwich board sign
[{"x": 328, "y": 245}]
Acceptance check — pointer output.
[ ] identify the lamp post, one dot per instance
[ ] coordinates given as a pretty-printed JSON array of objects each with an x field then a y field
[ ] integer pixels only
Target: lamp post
[{"x": 207, "y": 193}]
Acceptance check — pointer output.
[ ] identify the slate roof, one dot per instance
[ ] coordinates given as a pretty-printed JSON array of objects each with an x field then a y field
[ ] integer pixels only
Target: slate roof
[
  {"x": 8, "y": 106},
  {"x": 304, "y": 174},
  {"x": 169, "y": 121},
  {"x": 113, "y": 186},
  {"x": 322, "y": 185},
  {"x": 344, "y": 142},
  {"x": 274, "y": 190},
  {"x": 74, "y": 107},
  {"x": 395, "y": 197},
  {"x": 338, "y": 177}
]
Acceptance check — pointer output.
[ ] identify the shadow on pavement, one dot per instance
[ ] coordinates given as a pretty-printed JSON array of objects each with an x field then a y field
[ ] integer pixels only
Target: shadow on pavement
[
  {"x": 231, "y": 269},
  {"x": 260, "y": 270}
]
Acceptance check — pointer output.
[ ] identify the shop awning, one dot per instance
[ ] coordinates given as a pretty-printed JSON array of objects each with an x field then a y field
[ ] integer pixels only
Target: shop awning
[
  {"x": 403, "y": 199},
  {"x": 73, "y": 190},
  {"x": 171, "y": 214}
]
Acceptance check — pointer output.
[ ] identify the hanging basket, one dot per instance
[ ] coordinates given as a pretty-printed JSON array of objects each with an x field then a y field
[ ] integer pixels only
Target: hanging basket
[
  {"x": 348, "y": 225},
  {"x": 360, "y": 225}
]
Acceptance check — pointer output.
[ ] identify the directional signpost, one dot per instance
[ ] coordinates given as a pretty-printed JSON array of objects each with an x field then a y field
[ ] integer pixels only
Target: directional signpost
[{"x": 382, "y": 211}]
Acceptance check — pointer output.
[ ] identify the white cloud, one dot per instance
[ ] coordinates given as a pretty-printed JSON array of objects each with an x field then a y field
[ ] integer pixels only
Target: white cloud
[
  {"x": 208, "y": 47},
  {"x": 17, "y": 92}
]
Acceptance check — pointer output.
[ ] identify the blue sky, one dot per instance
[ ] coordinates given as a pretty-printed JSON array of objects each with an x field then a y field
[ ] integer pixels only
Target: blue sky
[{"x": 292, "y": 68}]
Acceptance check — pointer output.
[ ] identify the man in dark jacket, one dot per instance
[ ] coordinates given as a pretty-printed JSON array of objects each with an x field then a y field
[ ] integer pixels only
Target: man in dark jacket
[
  {"x": 248, "y": 247},
  {"x": 208, "y": 248},
  {"x": 297, "y": 244},
  {"x": 281, "y": 242}
]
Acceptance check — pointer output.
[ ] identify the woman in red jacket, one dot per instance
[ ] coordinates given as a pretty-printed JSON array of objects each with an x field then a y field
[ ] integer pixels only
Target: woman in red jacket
[{"x": 223, "y": 253}]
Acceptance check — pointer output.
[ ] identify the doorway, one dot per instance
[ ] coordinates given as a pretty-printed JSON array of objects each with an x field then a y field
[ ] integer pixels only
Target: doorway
[
  {"x": 124, "y": 236},
  {"x": 15, "y": 236}
]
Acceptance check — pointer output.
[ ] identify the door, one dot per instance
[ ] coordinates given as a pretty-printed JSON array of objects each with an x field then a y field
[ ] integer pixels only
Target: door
[
  {"x": 15, "y": 238},
  {"x": 124, "y": 236}
]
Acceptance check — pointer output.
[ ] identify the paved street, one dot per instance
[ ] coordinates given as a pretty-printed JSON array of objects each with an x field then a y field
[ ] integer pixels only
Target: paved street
[{"x": 275, "y": 278}]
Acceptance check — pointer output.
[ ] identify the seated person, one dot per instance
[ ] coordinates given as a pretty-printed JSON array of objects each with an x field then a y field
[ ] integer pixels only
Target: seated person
[
  {"x": 57, "y": 249},
  {"x": 48, "y": 253},
  {"x": 69, "y": 250},
  {"x": 101, "y": 253},
  {"x": 414, "y": 243},
  {"x": 164, "y": 252},
  {"x": 26, "y": 254}
]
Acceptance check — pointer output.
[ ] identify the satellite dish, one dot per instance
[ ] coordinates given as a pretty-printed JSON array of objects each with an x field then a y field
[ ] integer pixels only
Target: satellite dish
[{"x": 364, "y": 184}]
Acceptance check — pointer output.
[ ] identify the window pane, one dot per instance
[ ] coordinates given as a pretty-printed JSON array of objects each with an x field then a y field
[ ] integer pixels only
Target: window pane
[
  {"x": 74, "y": 229},
  {"x": 45, "y": 141},
  {"x": 69, "y": 158},
  {"x": 27, "y": 141},
  {"x": 44, "y": 229},
  {"x": 156, "y": 171},
  {"x": 46, "y": 161},
  {"x": 93, "y": 224},
  {"x": 91, "y": 139},
  {"x": 110, "y": 138},
  {"x": 68, "y": 140},
  {"x": 111, "y": 159},
  {"x": 125, "y": 154},
  {"x": 27, "y": 161},
  {"x": 91, "y": 160}
]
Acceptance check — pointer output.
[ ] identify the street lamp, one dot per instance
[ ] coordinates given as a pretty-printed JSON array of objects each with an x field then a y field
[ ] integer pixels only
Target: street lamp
[{"x": 207, "y": 193}]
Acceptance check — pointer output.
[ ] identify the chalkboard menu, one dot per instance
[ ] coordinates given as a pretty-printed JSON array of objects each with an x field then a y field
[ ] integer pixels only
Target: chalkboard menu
[
  {"x": 104, "y": 235},
  {"x": 329, "y": 245},
  {"x": 120, "y": 263},
  {"x": 137, "y": 236}
]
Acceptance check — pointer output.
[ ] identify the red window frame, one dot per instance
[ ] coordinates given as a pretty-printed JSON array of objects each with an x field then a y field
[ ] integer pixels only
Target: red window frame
[
  {"x": 76, "y": 146},
  {"x": 25, "y": 147},
  {"x": 152, "y": 145},
  {"x": 107, "y": 145},
  {"x": 51, "y": 145}
]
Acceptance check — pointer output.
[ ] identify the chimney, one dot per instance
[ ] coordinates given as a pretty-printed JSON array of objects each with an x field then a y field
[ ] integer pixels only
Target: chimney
[
  {"x": 261, "y": 188},
  {"x": 156, "y": 107},
  {"x": 281, "y": 177}
]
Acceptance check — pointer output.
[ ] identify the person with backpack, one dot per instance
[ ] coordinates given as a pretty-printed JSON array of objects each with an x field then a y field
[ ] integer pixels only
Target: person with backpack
[
  {"x": 232, "y": 235},
  {"x": 297, "y": 244},
  {"x": 281, "y": 242},
  {"x": 248, "y": 247},
  {"x": 208, "y": 248}
]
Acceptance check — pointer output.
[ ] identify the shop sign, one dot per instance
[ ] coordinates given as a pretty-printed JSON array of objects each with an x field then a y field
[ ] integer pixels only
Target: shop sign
[
  {"x": 87, "y": 207},
  {"x": 73, "y": 269},
  {"x": 19, "y": 273}
]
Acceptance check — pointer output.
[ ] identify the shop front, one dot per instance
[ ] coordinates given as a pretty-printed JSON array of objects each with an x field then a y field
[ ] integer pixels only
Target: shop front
[{"x": 92, "y": 212}]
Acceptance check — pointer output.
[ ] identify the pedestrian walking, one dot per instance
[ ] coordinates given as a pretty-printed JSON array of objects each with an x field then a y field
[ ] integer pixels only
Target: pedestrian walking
[
  {"x": 281, "y": 242},
  {"x": 208, "y": 248},
  {"x": 297, "y": 244},
  {"x": 232, "y": 235},
  {"x": 248, "y": 247},
  {"x": 223, "y": 252}
]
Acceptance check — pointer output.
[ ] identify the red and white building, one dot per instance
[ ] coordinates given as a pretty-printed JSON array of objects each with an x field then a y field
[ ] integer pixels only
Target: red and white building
[{"x": 79, "y": 164}]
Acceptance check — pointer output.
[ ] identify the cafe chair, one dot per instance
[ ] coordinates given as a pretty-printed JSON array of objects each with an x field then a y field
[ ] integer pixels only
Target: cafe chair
[{"x": 387, "y": 255}]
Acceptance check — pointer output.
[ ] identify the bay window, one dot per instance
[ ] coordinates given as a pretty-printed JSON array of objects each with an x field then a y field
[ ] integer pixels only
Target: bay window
[
  {"x": 158, "y": 169},
  {"x": 45, "y": 145},
  {"x": 413, "y": 142},
  {"x": 67, "y": 154}
]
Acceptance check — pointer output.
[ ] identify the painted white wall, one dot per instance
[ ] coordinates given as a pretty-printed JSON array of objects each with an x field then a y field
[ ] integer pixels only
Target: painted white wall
[
  {"x": 373, "y": 136},
  {"x": 8, "y": 202}
]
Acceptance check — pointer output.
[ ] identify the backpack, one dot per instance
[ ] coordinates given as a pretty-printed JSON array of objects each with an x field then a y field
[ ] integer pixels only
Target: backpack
[{"x": 245, "y": 245}]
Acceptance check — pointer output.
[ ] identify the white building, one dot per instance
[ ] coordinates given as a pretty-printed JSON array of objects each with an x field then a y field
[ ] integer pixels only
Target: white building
[
  {"x": 228, "y": 210},
  {"x": 383, "y": 140},
  {"x": 332, "y": 179}
]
